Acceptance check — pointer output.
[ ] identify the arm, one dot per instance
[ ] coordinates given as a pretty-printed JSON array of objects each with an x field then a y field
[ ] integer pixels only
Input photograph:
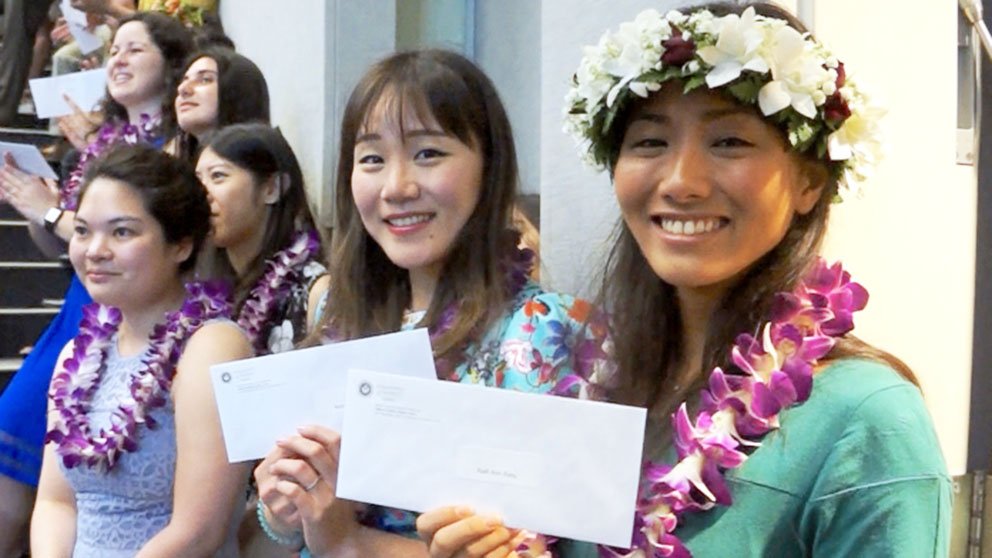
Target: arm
[
  {"x": 209, "y": 492},
  {"x": 32, "y": 197},
  {"x": 317, "y": 293},
  {"x": 53, "y": 522}
]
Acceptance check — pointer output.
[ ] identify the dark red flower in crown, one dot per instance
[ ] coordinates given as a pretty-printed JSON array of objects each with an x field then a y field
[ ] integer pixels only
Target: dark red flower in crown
[
  {"x": 835, "y": 109},
  {"x": 678, "y": 50},
  {"x": 841, "y": 75}
]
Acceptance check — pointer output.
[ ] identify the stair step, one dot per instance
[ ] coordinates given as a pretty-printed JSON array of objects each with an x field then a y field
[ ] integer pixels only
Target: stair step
[
  {"x": 16, "y": 244},
  {"x": 25, "y": 286},
  {"x": 17, "y": 332},
  {"x": 10, "y": 364}
]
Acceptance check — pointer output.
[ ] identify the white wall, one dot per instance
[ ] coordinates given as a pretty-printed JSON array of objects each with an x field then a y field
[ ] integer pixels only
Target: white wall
[
  {"x": 312, "y": 52},
  {"x": 911, "y": 241},
  {"x": 506, "y": 47}
]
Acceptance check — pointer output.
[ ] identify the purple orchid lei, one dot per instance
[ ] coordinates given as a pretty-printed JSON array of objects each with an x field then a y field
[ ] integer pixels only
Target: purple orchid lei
[
  {"x": 74, "y": 385},
  {"x": 282, "y": 270},
  {"x": 735, "y": 410},
  {"x": 110, "y": 134}
]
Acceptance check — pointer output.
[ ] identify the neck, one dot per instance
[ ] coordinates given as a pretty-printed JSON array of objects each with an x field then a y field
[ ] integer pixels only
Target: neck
[
  {"x": 139, "y": 321},
  {"x": 423, "y": 282},
  {"x": 242, "y": 254},
  {"x": 696, "y": 307},
  {"x": 152, "y": 107}
]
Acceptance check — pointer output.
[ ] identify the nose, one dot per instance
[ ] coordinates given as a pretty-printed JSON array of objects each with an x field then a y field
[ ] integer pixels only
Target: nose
[
  {"x": 400, "y": 184},
  {"x": 98, "y": 248},
  {"x": 185, "y": 88},
  {"x": 686, "y": 179}
]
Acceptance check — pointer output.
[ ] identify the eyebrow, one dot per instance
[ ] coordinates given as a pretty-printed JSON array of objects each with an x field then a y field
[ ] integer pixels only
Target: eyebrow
[
  {"x": 708, "y": 115},
  {"x": 422, "y": 132},
  {"x": 114, "y": 221}
]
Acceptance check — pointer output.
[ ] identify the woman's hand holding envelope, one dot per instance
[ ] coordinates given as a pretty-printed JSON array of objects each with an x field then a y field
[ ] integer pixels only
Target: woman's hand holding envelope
[
  {"x": 296, "y": 482},
  {"x": 30, "y": 195},
  {"x": 457, "y": 532}
]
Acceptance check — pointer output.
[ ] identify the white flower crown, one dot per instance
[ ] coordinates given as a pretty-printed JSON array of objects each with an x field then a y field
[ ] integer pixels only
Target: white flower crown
[{"x": 793, "y": 79}]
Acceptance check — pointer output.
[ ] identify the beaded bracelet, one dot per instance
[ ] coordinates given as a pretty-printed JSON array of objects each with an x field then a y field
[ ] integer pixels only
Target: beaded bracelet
[{"x": 295, "y": 541}]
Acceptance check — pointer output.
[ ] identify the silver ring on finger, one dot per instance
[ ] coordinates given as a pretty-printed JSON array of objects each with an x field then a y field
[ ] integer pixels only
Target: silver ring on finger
[{"x": 312, "y": 485}]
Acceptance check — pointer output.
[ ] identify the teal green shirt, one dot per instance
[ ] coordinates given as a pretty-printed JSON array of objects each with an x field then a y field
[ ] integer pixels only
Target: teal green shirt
[{"x": 854, "y": 471}]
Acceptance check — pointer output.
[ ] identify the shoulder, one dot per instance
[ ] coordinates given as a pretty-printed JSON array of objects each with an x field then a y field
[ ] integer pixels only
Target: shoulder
[
  {"x": 214, "y": 342},
  {"x": 868, "y": 391},
  {"x": 878, "y": 425}
]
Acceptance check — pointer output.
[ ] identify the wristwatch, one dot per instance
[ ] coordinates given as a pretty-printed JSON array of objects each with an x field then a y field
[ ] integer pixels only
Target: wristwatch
[{"x": 52, "y": 217}]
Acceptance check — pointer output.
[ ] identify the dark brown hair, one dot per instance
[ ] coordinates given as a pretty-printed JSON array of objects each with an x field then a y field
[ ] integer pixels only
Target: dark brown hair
[
  {"x": 242, "y": 93},
  {"x": 647, "y": 327},
  {"x": 265, "y": 153},
  {"x": 168, "y": 187},
  {"x": 174, "y": 42},
  {"x": 368, "y": 292}
]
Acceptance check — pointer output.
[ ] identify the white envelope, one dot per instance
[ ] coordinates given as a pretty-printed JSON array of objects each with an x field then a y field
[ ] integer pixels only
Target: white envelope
[
  {"x": 86, "y": 89},
  {"x": 553, "y": 465},
  {"x": 28, "y": 158},
  {"x": 263, "y": 399}
]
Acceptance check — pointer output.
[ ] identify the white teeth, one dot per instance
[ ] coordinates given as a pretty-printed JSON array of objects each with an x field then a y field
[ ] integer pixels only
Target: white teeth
[
  {"x": 409, "y": 221},
  {"x": 689, "y": 228}
]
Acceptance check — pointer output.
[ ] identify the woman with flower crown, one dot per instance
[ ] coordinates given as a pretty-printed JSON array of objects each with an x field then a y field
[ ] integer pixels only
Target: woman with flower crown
[
  {"x": 135, "y": 461},
  {"x": 147, "y": 51},
  {"x": 424, "y": 194},
  {"x": 728, "y": 132}
]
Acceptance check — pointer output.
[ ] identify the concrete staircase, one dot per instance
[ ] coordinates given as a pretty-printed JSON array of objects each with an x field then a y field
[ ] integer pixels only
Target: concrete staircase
[{"x": 31, "y": 285}]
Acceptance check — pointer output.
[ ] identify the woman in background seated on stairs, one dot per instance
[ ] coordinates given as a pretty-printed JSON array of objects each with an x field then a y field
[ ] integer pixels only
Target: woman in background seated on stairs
[
  {"x": 145, "y": 57},
  {"x": 264, "y": 233}
]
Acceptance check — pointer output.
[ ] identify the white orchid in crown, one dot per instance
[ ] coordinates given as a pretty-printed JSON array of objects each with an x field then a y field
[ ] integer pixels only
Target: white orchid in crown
[
  {"x": 737, "y": 48},
  {"x": 797, "y": 78}
]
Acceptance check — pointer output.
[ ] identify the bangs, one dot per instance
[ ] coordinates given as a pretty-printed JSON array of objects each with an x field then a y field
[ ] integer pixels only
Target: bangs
[{"x": 429, "y": 97}]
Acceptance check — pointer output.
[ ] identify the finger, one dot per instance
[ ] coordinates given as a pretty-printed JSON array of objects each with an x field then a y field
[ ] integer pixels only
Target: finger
[
  {"x": 72, "y": 104},
  {"x": 430, "y": 521},
  {"x": 455, "y": 536},
  {"x": 296, "y": 470},
  {"x": 325, "y": 436},
  {"x": 322, "y": 458},
  {"x": 494, "y": 545}
]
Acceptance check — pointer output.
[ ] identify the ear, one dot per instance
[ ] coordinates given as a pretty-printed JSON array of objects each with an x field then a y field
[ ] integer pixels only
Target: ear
[
  {"x": 182, "y": 250},
  {"x": 812, "y": 182},
  {"x": 274, "y": 187}
]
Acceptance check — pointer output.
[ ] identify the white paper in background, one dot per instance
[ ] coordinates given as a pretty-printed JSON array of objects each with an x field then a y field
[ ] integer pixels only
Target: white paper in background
[
  {"x": 28, "y": 158},
  {"x": 85, "y": 88},
  {"x": 263, "y": 399},
  {"x": 72, "y": 15},
  {"x": 554, "y": 465},
  {"x": 76, "y": 21}
]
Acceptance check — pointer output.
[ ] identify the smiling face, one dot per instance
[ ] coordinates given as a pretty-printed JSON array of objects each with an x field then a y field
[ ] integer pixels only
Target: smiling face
[
  {"x": 415, "y": 186},
  {"x": 706, "y": 187},
  {"x": 135, "y": 68},
  {"x": 119, "y": 250},
  {"x": 197, "y": 97}
]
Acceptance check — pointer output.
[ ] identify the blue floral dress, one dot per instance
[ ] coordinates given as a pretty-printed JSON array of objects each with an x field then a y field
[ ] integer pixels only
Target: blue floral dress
[{"x": 541, "y": 338}]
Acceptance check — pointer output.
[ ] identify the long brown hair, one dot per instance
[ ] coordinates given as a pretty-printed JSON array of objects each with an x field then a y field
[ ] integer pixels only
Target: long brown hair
[
  {"x": 368, "y": 292},
  {"x": 647, "y": 326},
  {"x": 264, "y": 152}
]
